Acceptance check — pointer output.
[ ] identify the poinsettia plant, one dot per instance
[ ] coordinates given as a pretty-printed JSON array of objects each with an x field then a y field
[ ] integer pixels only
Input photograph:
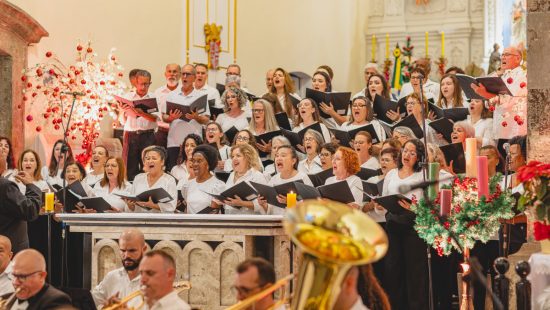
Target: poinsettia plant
[{"x": 535, "y": 178}]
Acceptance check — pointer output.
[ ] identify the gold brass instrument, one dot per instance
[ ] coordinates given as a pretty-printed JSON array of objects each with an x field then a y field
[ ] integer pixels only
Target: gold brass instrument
[
  {"x": 6, "y": 304},
  {"x": 246, "y": 303},
  {"x": 333, "y": 238},
  {"x": 178, "y": 286}
]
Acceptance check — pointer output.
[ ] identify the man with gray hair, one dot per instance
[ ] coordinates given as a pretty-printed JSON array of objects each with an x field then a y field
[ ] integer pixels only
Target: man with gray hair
[
  {"x": 179, "y": 129},
  {"x": 122, "y": 281},
  {"x": 139, "y": 127},
  {"x": 172, "y": 73}
]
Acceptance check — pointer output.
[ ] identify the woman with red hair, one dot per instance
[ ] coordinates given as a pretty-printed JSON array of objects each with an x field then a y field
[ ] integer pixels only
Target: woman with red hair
[{"x": 345, "y": 164}]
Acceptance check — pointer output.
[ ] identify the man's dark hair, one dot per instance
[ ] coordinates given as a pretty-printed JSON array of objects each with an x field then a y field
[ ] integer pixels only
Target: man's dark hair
[
  {"x": 143, "y": 73},
  {"x": 455, "y": 69},
  {"x": 167, "y": 258},
  {"x": 200, "y": 64},
  {"x": 133, "y": 73},
  {"x": 522, "y": 142},
  {"x": 266, "y": 272}
]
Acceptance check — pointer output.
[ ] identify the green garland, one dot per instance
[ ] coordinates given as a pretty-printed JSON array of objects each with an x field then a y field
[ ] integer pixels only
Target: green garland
[{"x": 470, "y": 219}]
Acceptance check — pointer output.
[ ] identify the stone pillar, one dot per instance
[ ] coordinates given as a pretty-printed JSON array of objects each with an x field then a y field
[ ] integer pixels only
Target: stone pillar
[{"x": 538, "y": 80}]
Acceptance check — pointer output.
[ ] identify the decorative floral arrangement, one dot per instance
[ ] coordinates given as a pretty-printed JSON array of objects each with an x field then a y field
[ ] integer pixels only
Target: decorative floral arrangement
[
  {"x": 470, "y": 218},
  {"x": 51, "y": 81},
  {"x": 387, "y": 68},
  {"x": 535, "y": 177},
  {"x": 406, "y": 65},
  {"x": 441, "y": 63}
]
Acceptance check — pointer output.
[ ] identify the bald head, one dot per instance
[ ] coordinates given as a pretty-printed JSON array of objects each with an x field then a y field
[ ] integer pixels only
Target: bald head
[
  {"x": 133, "y": 235},
  {"x": 30, "y": 259},
  {"x": 5, "y": 253},
  {"x": 5, "y": 243}
]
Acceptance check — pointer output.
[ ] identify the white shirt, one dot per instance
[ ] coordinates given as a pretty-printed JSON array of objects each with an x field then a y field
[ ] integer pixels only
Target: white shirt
[
  {"x": 358, "y": 305},
  {"x": 324, "y": 130},
  {"x": 161, "y": 93},
  {"x": 170, "y": 302},
  {"x": 111, "y": 198},
  {"x": 277, "y": 180},
  {"x": 251, "y": 175},
  {"x": 41, "y": 184},
  {"x": 484, "y": 130},
  {"x": 377, "y": 216},
  {"x": 116, "y": 281},
  {"x": 20, "y": 305},
  {"x": 92, "y": 179},
  {"x": 431, "y": 89},
  {"x": 166, "y": 181},
  {"x": 362, "y": 92},
  {"x": 6, "y": 286},
  {"x": 355, "y": 185},
  {"x": 312, "y": 167},
  {"x": 348, "y": 126},
  {"x": 179, "y": 129},
  {"x": 45, "y": 172},
  {"x": 371, "y": 163},
  {"x": 392, "y": 181},
  {"x": 240, "y": 122},
  {"x": 510, "y": 106},
  {"x": 212, "y": 93},
  {"x": 133, "y": 123},
  {"x": 195, "y": 194},
  {"x": 180, "y": 171}
]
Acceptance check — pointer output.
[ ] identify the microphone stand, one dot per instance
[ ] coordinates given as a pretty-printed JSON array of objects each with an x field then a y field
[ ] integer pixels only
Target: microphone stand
[
  {"x": 506, "y": 226},
  {"x": 425, "y": 177},
  {"x": 64, "y": 152}
]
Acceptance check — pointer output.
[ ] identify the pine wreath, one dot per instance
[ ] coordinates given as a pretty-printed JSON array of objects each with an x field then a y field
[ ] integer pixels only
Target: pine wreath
[{"x": 470, "y": 218}]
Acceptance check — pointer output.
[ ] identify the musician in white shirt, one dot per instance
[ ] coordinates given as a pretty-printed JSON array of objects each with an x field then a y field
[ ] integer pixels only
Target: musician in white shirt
[
  {"x": 139, "y": 127},
  {"x": 172, "y": 73},
  {"x": 123, "y": 281},
  {"x": 179, "y": 129}
]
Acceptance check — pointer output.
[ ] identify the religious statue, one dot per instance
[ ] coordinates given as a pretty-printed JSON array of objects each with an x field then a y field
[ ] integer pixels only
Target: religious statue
[
  {"x": 519, "y": 23},
  {"x": 212, "y": 35},
  {"x": 494, "y": 59}
]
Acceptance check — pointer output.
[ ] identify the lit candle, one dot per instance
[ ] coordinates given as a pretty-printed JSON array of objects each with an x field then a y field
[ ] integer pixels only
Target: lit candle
[
  {"x": 433, "y": 175},
  {"x": 471, "y": 152},
  {"x": 446, "y": 201},
  {"x": 373, "y": 43},
  {"x": 49, "y": 202},
  {"x": 387, "y": 46},
  {"x": 426, "y": 44},
  {"x": 442, "y": 44},
  {"x": 291, "y": 200},
  {"x": 482, "y": 177}
]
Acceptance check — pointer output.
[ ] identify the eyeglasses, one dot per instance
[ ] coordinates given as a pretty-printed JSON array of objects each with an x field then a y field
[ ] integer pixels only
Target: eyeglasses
[
  {"x": 23, "y": 277},
  {"x": 386, "y": 160},
  {"x": 412, "y": 153},
  {"x": 187, "y": 74},
  {"x": 231, "y": 97},
  {"x": 213, "y": 129},
  {"x": 324, "y": 154},
  {"x": 304, "y": 104},
  {"x": 358, "y": 105},
  {"x": 509, "y": 55},
  {"x": 243, "y": 290},
  {"x": 410, "y": 103},
  {"x": 309, "y": 139},
  {"x": 242, "y": 138},
  {"x": 415, "y": 77},
  {"x": 258, "y": 110}
]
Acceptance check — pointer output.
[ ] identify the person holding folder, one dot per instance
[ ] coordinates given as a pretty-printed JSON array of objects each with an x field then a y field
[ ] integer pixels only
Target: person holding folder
[
  {"x": 406, "y": 270},
  {"x": 286, "y": 162},
  {"x": 233, "y": 100},
  {"x": 450, "y": 95},
  {"x": 113, "y": 182},
  {"x": 283, "y": 87},
  {"x": 345, "y": 165},
  {"x": 195, "y": 193},
  {"x": 308, "y": 114},
  {"x": 362, "y": 144},
  {"x": 245, "y": 169},
  {"x": 179, "y": 128},
  {"x": 414, "y": 107},
  {"x": 154, "y": 178},
  {"x": 482, "y": 120},
  {"x": 263, "y": 121},
  {"x": 322, "y": 81},
  {"x": 362, "y": 115}
]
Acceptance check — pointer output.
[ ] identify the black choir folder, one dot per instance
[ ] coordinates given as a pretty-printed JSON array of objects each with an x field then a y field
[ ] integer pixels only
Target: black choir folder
[
  {"x": 409, "y": 121},
  {"x": 340, "y": 100},
  {"x": 231, "y": 133},
  {"x": 372, "y": 189},
  {"x": 382, "y": 105},
  {"x": 283, "y": 121},
  {"x": 391, "y": 203},
  {"x": 148, "y": 105},
  {"x": 296, "y": 138},
  {"x": 365, "y": 173},
  {"x": 97, "y": 203},
  {"x": 199, "y": 106},
  {"x": 157, "y": 195},
  {"x": 266, "y": 138},
  {"x": 338, "y": 191},
  {"x": 73, "y": 192},
  {"x": 319, "y": 178},
  {"x": 493, "y": 84},
  {"x": 444, "y": 127},
  {"x": 242, "y": 190},
  {"x": 345, "y": 137},
  {"x": 454, "y": 114},
  {"x": 455, "y": 153},
  {"x": 270, "y": 192}
]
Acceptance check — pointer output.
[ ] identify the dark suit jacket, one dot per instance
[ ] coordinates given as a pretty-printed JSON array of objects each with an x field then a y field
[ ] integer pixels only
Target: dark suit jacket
[
  {"x": 48, "y": 298},
  {"x": 15, "y": 210}
]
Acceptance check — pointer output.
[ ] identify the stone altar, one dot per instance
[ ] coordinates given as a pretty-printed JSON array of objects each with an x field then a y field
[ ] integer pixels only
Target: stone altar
[{"x": 206, "y": 247}]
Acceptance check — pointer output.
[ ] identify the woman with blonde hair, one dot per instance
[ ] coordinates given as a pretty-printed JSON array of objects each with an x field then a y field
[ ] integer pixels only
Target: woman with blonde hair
[
  {"x": 263, "y": 121},
  {"x": 245, "y": 169}
]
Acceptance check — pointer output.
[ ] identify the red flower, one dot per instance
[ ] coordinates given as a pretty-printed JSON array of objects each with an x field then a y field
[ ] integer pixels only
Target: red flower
[{"x": 541, "y": 231}]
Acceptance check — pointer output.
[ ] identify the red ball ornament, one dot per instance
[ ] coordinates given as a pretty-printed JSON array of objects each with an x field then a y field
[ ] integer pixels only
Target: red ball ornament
[
  {"x": 29, "y": 118},
  {"x": 100, "y": 115},
  {"x": 73, "y": 137},
  {"x": 88, "y": 91},
  {"x": 51, "y": 72},
  {"x": 24, "y": 78},
  {"x": 89, "y": 50},
  {"x": 120, "y": 74},
  {"x": 56, "y": 127},
  {"x": 522, "y": 84},
  {"x": 520, "y": 122},
  {"x": 102, "y": 83},
  {"x": 516, "y": 118},
  {"x": 83, "y": 82},
  {"x": 71, "y": 81},
  {"x": 56, "y": 89},
  {"x": 113, "y": 83},
  {"x": 79, "y": 47},
  {"x": 19, "y": 106},
  {"x": 46, "y": 115},
  {"x": 39, "y": 72},
  {"x": 504, "y": 124},
  {"x": 48, "y": 54},
  {"x": 113, "y": 58},
  {"x": 29, "y": 85},
  {"x": 25, "y": 98},
  {"x": 46, "y": 92},
  {"x": 34, "y": 94},
  {"x": 38, "y": 129},
  {"x": 38, "y": 86},
  {"x": 510, "y": 80},
  {"x": 492, "y": 108}
]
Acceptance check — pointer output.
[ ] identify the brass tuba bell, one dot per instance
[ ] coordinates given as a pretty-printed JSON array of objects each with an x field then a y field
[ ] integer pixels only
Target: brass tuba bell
[{"x": 333, "y": 238}]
